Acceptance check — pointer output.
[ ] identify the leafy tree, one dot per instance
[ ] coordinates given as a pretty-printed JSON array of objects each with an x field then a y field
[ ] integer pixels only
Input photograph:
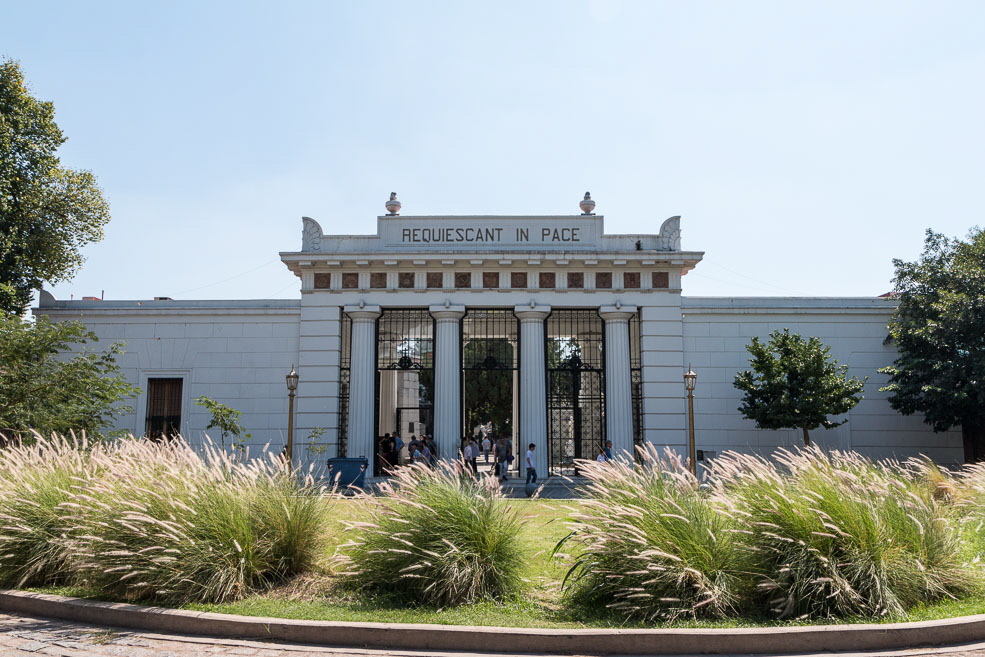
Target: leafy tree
[
  {"x": 794, "y": 385},
  {"x": 939, "y": 331},
  {"x": 226, "y": 419},
  {"x": 47, "y": 212},
  {"x": 50, "y": 380}
]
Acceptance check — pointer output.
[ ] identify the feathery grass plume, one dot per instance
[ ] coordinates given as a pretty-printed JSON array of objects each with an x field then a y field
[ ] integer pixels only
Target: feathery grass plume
[
  {"x": 165, "y": 522},
  {"x": 654, "y": 546},
  {"x": 969, "y": 499},
  {"x": 438, "y": 537},
  {"x": 35, "y": 478},
  {"x": 837, "y": 535}
]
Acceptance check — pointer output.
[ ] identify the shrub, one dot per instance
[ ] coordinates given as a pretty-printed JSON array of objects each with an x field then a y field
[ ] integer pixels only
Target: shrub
[
  {"x": 652, "y": 545},
  {"x": 164, "y": 522},
  {"x": 437, "y": 536},
  {"x": 837, "y": 535},
  {"x": 35, "y": 478}
]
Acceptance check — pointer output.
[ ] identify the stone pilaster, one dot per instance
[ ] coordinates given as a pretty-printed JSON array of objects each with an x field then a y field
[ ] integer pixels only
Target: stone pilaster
[
  {"x": 533, "y": 395},
  {"x": 362, "y": 380},
  {"x": 447, "y": 378},
  {"x": 618, "y": 378}
]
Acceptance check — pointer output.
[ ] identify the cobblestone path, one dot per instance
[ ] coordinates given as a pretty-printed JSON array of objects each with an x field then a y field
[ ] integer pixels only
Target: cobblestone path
[{"x": 23, "y": 636}]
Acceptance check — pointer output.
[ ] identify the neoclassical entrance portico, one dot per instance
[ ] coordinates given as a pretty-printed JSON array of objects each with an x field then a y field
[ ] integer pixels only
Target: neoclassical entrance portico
[{"x": 555, "y": 314}]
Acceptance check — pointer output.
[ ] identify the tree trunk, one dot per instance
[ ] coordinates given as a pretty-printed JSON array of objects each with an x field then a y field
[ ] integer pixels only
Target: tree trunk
[
  {"x": 807, "y": 437},
  {"x": 973, "y": 437}
]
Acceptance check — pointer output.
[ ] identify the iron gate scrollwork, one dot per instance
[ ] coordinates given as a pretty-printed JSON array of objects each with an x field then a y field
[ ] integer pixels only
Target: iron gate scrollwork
[
  {"x": 405, "y": 376},
  {"x": 344, "y": 368},
  {"x": 575, "y": 353},
  {"x": 489, "y": 363},
  {"x": 636, "y": 380}
]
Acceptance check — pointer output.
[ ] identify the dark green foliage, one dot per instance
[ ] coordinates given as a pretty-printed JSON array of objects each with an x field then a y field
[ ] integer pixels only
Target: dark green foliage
[
  {"x": 47, "y": 212},
  {"x": 939, "y": 331},
  {"x": 50, "y": 381},
  {"x": 794, "y": 385}
]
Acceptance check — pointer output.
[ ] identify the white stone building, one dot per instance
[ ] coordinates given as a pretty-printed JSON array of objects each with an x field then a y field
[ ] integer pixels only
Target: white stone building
[{"x": 560, "y": 334}]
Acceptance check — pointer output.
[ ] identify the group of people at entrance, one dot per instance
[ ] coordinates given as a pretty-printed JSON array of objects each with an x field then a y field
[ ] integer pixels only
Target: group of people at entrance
[
  {"x": 487, "y": 445},
  {"x": 393, "y": 451}
]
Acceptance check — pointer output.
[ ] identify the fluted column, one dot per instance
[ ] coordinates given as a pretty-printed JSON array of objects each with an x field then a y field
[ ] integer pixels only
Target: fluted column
[
  {"x": 618, "y": 378},
  {"x": 533, "y": 388},
  {"x": 447, "y": 378},
  {"x": 362, "y": 380}
]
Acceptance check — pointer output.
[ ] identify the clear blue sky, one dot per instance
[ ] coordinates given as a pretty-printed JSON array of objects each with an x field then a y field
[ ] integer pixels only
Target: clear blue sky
[{"x": 805, "y": 144}]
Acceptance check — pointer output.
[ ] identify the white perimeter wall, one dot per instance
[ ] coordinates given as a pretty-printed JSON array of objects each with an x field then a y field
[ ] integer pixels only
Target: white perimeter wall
[
  {"x": 238, "y": 352},
  {"x": 716, "y": 332},
  {"x": 234, "y": 352}
]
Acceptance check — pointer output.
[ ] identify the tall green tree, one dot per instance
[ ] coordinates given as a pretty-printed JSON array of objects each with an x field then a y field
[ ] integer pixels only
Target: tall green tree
[
  {"x": 794, "y": 384},
  {"x": 939, "y": 331},
  {"x": 52, "y": 380},
  {"x": 47, "y": 212}
]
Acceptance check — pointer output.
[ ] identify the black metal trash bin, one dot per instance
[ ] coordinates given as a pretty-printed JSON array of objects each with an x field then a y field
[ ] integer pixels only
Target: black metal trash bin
[{"x": 345, "y": 472}]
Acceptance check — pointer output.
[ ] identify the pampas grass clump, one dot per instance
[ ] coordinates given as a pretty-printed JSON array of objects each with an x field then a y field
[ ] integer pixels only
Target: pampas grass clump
[
  {"x": 35, "y": 478},
  {"x": 165, "y": 522},
  {"x": 436, "y": 537},
  {"x": 651, "y": 545},
  {"x": 837, "y": 535}
]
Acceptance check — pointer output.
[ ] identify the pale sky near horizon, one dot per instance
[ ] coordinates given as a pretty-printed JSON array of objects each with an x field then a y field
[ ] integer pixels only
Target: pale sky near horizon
[{"x": 804, "y": 144}]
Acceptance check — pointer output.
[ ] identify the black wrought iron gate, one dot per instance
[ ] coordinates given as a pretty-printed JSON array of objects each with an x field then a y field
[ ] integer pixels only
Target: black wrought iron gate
[{"x": 574, "y": 352}]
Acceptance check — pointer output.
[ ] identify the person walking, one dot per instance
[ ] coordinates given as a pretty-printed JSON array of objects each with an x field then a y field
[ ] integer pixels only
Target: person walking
[
  {"x": 531, "y": 470},
  {"x": 486, "y": 446},
  {"x": 467, "y": 455},
  {"x": 473, "y": 462}
]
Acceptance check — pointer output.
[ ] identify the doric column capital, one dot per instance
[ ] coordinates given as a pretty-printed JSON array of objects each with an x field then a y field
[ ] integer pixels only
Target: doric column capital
[
  {"x": 363, "y": 313},
  {"x": 532, "y": 313},
  {"x": 617, "y": 313},
  {"x": 447, "y": 313}
]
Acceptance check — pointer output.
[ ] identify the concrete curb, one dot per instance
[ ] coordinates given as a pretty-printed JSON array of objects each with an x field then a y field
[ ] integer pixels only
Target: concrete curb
[{"x": 832, "y": 638}]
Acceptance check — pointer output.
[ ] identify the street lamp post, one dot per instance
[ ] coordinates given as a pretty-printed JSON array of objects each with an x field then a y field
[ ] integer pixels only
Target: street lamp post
[
  {"x": 292, "y": 386},
  {"x": 690, "y": 378}
]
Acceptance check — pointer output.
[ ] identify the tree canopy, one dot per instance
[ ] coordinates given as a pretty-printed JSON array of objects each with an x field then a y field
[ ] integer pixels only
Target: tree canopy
[
  {"x": 47, "y": 212},
  {"x": 794, "y": 385},
  {"x": 51, "y": 381},
  {"x": 939, "y": 331}
]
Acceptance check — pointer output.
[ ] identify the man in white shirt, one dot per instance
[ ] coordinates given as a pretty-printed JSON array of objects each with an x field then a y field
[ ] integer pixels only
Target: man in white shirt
[{"x": 531, "y": 471}]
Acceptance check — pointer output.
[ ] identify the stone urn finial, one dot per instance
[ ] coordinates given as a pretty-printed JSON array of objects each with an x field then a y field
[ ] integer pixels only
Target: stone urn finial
[
  {"x": 393, "y": 205},
  {"x": 587, "y": 204}
]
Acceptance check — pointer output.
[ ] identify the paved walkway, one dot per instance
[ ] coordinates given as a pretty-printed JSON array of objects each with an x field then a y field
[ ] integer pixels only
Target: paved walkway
[{"x": 23, "y": 636}]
